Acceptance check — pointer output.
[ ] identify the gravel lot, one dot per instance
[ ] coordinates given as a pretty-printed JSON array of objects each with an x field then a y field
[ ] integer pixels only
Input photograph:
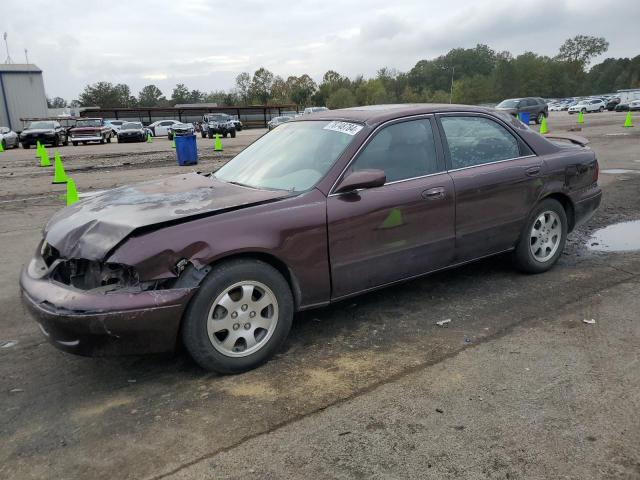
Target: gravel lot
[{"x": 516, "y": 387}]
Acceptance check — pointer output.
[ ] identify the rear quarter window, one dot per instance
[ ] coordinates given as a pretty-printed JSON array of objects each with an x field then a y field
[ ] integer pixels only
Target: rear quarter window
[{"x": 477, "y": 140}]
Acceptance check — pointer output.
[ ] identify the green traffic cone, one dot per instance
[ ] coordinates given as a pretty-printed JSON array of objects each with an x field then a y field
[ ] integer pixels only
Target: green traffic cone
[
  {"x": 173, "y": 143},
  {"x": 38, "y": 149},
  {"x": 543, "y": 126},
  {"x": 218, "y": 144},
  {"x": 44, "y": 158},
  {"x": 72, "y": 193},
  {"x": 149, "y": 138},
  {"x": 58, "y": 175},
  {"x": 580, "y": 118},
  {"x": 627, "y": 121},
  {"x": 1, "y": 147}
]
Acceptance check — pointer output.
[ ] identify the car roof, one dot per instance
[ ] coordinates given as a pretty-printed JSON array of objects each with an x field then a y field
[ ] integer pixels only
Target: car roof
[{"x": 376, "y": 114}]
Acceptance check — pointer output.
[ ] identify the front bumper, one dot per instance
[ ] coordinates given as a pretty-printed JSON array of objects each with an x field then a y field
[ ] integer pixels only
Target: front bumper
[
  {"x": 93, "y": 138},
  {"x": 99, "y": 324},
  {"x": 42, "y": 138}
]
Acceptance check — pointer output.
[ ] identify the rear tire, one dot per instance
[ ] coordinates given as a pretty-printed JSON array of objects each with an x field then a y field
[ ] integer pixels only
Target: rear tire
[
  {"x": 234, "y": 284},
  {"x": 601, "y": 109},
  {"x": 26, "y": 146},
  {"x": 233, "y": 134},
  {"x": 75, "y": 144},
  {"x": 66, "y": 141},
  {"x": 210, "y": 134},
  {"x": 543, "y": 238}
]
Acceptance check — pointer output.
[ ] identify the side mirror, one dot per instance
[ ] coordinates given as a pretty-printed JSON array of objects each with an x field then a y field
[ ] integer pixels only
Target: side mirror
[{"x": 361, "y": 179}]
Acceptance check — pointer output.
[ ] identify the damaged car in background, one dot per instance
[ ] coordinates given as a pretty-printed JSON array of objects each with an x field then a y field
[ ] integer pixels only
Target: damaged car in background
[{"x": 324, "y": 207}]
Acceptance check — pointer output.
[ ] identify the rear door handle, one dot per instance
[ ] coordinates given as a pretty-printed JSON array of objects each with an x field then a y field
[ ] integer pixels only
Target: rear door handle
[
  {"x": 532, "y": 171},
  {"x": 436, "y": 193}
]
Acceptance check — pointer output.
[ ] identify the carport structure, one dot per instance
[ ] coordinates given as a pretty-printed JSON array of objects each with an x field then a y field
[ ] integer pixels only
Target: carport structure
[{"x": 254, "y": 116}]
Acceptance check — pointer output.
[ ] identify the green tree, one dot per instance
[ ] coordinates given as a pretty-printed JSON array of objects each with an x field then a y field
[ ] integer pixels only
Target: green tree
[
  {"x": 106, "y": 95},
  {"x": 341, "y": 98},
  {"x": 180, "y": 94},
  {"x": 150, "y": 96},
  {"x": 243, "y": 86},
  {"x": 56, "y": 102},
  {"x": 279, "y": 92},
  {"x": 581, "y": 49},
  {"x": 261, "y": 85}
]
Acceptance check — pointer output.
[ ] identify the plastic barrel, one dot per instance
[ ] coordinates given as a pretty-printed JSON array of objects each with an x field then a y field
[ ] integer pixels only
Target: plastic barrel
[
  {"x": 186, "y": 150},
  {"x": 524, "y": 117}
]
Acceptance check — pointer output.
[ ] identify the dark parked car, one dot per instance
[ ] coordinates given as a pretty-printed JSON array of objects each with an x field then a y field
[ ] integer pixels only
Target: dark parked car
[
  {"x": 537, "y": 107},
  {"x": 180, "y": 129},
  {"x": 48, "y": 132},
  {"x": 622, "y": 107},
  {"x": 325, "y": 207},
  {"x": 91, "y": 130},
  {"x": 132, "y": 132},
  {"x": 612, "y": 103}
]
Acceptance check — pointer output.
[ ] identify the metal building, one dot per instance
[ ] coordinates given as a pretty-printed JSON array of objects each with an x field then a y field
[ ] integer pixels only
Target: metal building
[{"x": 21, "y": 94}]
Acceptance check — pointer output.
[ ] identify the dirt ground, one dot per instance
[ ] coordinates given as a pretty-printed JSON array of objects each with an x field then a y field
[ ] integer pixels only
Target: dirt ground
[{"x": 517, "y": 386}]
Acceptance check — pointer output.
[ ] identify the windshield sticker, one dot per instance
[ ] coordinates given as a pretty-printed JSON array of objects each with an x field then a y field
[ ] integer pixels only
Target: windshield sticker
[{"x": 343, "y": 127}]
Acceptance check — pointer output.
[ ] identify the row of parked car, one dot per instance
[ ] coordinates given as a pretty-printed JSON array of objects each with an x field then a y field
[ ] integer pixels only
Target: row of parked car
[
  {"x": 275, "y": 121},
  {"x": 622, "y": 102},
  {"x": 86, "y": 130}
]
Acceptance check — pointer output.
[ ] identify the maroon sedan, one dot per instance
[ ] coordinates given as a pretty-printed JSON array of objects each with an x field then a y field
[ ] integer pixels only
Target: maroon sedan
[{"x": 322, "y": 208}]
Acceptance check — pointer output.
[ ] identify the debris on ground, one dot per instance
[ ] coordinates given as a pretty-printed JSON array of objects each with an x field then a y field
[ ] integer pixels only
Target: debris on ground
[
  {"x": 9, "y": 344},
  {"x": 589, "y": 322},
  {"x": 439, "y": 410},
  {"x": 442, "y": 323}
]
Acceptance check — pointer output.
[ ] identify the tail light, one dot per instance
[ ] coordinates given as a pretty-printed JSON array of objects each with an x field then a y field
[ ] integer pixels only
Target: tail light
[{"x": 596, "y": 172}]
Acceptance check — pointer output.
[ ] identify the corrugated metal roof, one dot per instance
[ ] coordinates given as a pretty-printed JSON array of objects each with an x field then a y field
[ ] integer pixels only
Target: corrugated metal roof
[{"x": 19, "y": 67}]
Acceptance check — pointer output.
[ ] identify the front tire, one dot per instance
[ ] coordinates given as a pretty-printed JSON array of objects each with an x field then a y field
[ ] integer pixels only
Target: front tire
[
  {"x": 239, "y": 318},
  {"x": 540, "y": 117},
  {"x": 26, "y": 146},
  {"x": 543, "y": 238}
]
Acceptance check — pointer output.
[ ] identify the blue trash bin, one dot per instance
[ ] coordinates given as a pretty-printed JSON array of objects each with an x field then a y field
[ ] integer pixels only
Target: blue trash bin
[
  {"x": 186, "y": 150},
  {"x": 524, "y": 117}
]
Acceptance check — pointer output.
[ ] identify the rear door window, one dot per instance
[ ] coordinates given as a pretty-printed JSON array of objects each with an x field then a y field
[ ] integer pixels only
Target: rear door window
[
  {"x": 403, "y": 150},
  {"x": 477, "y": 140}
]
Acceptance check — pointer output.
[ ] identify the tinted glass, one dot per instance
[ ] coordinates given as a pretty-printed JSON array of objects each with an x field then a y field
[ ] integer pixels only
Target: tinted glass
[
  {"x": 477, "y": 140},
  {"x": 131, "y": 126},
  {"x": 294, "y": 156},
  {"x": 531, "y": 102},
  {"x": 89, "y": 123},
  {"x": 508, "y": 104},
  {"x": 35, "y": 125},
  {"x": 403, "y": 150}
]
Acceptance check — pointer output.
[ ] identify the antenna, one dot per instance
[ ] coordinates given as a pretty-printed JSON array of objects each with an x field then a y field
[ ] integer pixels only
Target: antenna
[
  {"x": 6, "y": 44},
  {"x": 26, "y": 55}
]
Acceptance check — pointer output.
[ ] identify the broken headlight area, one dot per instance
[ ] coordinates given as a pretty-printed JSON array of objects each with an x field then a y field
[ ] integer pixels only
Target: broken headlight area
[
  {"x": 101, "y": 277},
  {"x": 91, "y": 275}
]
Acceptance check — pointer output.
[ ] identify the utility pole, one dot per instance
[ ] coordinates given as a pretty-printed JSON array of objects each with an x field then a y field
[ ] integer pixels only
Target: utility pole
[
  {"x": 26, "y": 55},
  {"x": 6, "y": 44},
  {"x": 453, "y": 71}
]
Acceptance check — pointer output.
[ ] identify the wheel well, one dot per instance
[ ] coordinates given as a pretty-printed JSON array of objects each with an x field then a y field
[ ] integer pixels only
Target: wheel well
[
  {"x": 567, "y": 204},
  {"x": 275, "y": 263}
]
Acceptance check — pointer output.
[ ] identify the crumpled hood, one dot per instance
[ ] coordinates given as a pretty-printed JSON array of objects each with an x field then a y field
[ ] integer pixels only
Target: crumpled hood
[{"x": 92, "y": 227}]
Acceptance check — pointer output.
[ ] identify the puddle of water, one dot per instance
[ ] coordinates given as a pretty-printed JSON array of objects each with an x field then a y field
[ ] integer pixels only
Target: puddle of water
[
  {"x": 615, "y": 171},
  {"x": 620, "y": 237}
]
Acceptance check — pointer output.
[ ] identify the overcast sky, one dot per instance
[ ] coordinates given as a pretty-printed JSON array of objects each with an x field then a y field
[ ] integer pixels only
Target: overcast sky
[{"x": 205, "y": 44}]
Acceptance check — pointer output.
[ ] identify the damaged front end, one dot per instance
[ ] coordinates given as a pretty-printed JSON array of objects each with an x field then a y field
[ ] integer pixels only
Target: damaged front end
[{"x": 95, "y": 308}]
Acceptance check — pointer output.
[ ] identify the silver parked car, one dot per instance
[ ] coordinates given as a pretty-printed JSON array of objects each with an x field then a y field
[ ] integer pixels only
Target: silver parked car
[
  {"x": 275, "y": 121},
  {"x": 8, "y": 138}
]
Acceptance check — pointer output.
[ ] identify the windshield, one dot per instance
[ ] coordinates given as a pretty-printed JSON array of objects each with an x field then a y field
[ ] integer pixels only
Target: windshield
[
  {"x": 34, "y": 125},
  {"x": 293, "y": 157},
  {"x": 88, "y": 123},
  {"x": 131, "y": 126},
  {"x": 508, "y": 104}
]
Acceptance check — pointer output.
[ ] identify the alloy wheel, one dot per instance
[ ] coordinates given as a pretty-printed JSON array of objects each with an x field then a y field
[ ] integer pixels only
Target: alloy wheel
[
  {"x": 545, "y": 236},
  {"x": 242, "y": 319}
]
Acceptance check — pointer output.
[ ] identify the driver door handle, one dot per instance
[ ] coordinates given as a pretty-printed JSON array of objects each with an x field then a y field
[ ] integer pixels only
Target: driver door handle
[{"x": 436, "y": 193}]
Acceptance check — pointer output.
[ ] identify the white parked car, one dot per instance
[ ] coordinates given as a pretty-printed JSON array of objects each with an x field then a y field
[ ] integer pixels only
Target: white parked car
[
  {"x": 116, "y": 125},
  {"x": 635, "y": 105},
  {"x": 161, "y": 127},
  {"x": 310, "y": 110},
  {"x": 8, "y": 138},
  {"x": 555, "y": 107},
  {"x": 585, "y": 106}
]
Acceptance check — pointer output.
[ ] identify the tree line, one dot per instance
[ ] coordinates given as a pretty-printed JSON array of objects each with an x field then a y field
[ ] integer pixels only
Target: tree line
[{"x": 463, "y": 75}]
